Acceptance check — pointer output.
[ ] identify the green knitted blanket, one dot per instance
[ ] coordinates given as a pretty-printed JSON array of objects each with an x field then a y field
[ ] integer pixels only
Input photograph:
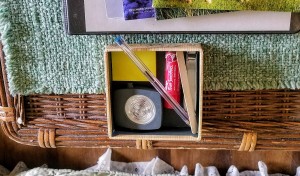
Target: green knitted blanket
[{"x": 41, "y": 58}]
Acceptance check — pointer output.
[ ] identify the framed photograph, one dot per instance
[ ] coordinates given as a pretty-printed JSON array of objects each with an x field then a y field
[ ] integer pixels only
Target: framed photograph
[{"x": 92, "y": 17}]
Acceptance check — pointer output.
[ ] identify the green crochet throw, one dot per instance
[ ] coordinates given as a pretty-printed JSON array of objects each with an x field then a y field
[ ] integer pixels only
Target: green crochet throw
[{"x": 42, "y": 58}]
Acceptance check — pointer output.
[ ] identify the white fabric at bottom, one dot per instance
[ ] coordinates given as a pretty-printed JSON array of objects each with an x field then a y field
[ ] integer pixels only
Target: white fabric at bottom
[{"x": 156, "y": 166}]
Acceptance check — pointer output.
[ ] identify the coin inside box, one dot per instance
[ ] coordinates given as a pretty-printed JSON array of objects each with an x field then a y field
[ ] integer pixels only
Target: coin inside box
[{"x": 130, "y": 96}]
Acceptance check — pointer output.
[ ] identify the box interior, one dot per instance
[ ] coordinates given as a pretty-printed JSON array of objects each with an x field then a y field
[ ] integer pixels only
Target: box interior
[{"x": 172, "y": 124}]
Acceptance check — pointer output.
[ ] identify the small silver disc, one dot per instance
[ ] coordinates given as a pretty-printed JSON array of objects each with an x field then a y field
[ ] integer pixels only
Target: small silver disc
[{"x": 140, "y": 109}]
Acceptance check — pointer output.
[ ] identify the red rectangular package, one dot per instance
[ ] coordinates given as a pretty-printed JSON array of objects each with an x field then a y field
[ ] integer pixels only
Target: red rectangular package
[{"x": 172, "y": 78}]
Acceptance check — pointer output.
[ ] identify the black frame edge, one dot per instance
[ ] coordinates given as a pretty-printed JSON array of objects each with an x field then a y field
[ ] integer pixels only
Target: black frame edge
[
  {"x": 74, "y": 16},
  {"x": 295, "y": 22}
]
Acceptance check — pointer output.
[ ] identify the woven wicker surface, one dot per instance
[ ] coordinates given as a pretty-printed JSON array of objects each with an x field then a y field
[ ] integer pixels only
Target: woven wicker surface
[
  {"x": 79, "y": 121},
  {"x": 232, "y": 120}
]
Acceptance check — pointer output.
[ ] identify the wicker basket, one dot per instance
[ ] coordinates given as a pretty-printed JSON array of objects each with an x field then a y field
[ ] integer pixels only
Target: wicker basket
[{"x": 232, "y": 120}]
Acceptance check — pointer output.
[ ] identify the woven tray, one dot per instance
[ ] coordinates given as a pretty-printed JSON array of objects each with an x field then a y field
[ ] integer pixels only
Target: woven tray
[{"x": 232, "y": 120}]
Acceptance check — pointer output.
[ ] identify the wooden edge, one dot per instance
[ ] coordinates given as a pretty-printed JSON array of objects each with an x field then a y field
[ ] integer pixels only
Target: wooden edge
[
  {"x": 158, "y": 47},
  {"x": 186, "y": 91},
  {"x": 154, "y": 137},
  {"x": 200, "y": 105},
  {"x": 108, "y": 94}
]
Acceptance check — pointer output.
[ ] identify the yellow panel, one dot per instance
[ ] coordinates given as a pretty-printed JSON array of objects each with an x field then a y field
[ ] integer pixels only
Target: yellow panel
[{"x": 123, "y": 69}]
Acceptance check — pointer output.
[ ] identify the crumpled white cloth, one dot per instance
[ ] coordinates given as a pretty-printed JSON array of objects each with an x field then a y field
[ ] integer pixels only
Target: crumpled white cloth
[
  {"x": 156, "y": 166},
  {"x": 153, "y": 167},
  {"x": 262, "y": 171}
]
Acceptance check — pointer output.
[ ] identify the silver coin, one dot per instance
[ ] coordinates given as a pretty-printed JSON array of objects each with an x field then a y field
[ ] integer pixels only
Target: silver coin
[{"x": 140, "y": 109}]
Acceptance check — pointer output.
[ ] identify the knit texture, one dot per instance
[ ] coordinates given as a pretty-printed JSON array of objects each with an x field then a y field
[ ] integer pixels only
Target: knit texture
[
  {"x": 42, "y": 58},
  {"x": 260, "y": 5}
]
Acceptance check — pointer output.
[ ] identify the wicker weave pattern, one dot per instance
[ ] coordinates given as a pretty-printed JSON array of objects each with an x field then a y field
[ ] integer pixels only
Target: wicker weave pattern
[
  {"x": 232, "y": 120},
  {"x": 260, "y": 111},
  {"x": 229, "y": 117},
  {"x": 76, "y": 111}
]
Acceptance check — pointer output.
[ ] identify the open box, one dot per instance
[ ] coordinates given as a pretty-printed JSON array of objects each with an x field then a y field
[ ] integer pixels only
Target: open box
[{"x": 172, "y": 126}]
